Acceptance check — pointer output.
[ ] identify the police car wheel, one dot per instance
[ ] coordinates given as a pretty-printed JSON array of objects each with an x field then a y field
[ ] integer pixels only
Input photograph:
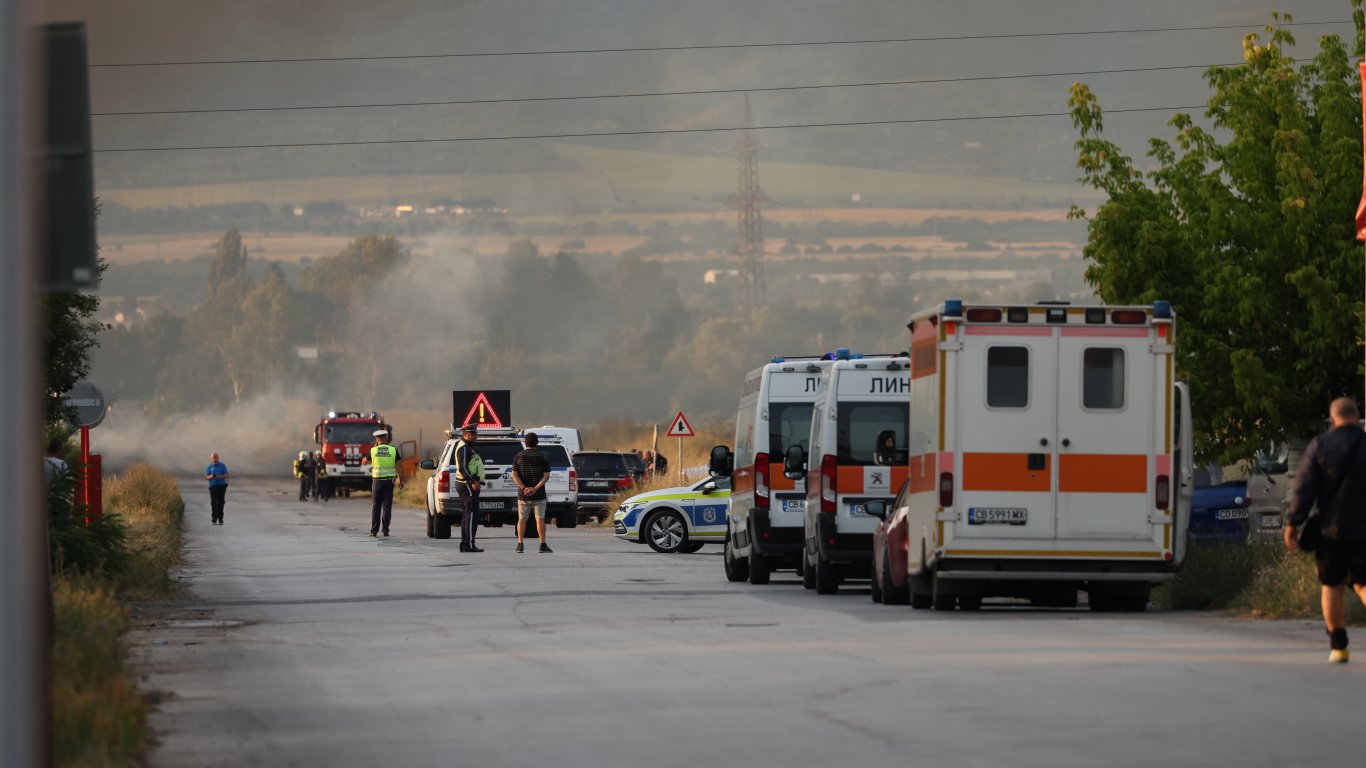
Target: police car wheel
[
  {"x": 665, "y": 531},
  {"x": 691, "y": 547},
  {"x": 736, "y": 569}
]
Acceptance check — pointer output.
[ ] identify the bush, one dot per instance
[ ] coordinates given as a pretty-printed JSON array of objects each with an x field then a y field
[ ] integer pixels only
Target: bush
[
  {"x": 1289, "y": 589},
  {"x": 1215, "y": 574},
  {"x": 147, "y": 502},
  {"x": 98, "y": 718},
  {"x": 75, "y": 547}
]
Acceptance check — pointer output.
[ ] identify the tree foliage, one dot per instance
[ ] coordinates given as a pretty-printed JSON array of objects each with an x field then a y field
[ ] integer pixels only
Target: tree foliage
[{"x": 1247, "y": 228}]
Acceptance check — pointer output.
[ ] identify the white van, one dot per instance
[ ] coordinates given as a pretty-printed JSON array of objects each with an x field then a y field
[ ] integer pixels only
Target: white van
[
  {"x": 764, "y": 527},
  {"x": 857, "y": 455},
  {"x": 567, "y": 436}
]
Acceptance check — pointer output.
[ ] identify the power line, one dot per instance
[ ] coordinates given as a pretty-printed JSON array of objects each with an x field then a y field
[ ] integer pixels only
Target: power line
[
  {"x": 699, "y": 92},
  {"x": 653, "y": 132},
  {"x": 712, "y": 47}
]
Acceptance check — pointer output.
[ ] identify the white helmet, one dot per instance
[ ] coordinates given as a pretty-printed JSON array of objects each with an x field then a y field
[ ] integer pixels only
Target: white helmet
[{"x": 303, "y": 454}]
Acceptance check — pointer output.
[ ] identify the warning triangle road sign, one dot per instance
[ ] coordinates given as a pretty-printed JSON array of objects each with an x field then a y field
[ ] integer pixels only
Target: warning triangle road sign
[
  {"x": 680, "y": 427},
  {"x": 482, "y": 413}
]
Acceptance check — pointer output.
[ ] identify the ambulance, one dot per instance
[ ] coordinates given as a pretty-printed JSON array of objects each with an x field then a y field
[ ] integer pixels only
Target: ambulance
[
  {"x": 857, "y": 455},
  {"x": 764, "y": 526},
  {"x": 1050, "y": 453}
]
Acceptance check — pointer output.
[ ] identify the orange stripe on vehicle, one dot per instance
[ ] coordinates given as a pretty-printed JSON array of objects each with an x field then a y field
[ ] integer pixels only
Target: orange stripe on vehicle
[
  {"x": 1003, "y": 472},
  {"x": 850, "y": 479},
  {"x": 777, "y": 481},
  {"x": 1101, "y": 473}
]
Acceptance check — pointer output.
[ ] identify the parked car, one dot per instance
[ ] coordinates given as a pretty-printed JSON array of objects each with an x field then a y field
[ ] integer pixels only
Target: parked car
[
  {"x": 1268, "y": 488},
  {"x": 681, "y": 519},
  {"x": 498, "y": 499},
  {"x": 1219, "y": 507},
  {"x": 636, "y": 465},
  {"x": 601, "y": 475}
]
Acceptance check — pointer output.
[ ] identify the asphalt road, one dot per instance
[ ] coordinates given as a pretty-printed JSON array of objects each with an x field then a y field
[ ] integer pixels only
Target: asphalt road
[{"x": 302, "y": 641}]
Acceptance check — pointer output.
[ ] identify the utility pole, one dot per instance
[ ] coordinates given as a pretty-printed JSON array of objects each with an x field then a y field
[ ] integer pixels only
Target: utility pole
[
  {"x": 749, "y": 244},
  {"x": 23, "y": 553}
]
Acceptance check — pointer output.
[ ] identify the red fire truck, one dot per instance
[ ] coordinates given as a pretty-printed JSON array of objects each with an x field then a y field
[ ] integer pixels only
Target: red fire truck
[{"x": 346, "y": 438}]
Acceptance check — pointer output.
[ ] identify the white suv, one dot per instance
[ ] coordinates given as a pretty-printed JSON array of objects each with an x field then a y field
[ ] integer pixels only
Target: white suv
[{"x": 498, "y": 497}]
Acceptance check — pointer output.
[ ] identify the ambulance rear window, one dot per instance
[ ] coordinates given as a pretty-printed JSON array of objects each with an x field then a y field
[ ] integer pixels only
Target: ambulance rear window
[
  {"x": 1102, "y": 379},
  {"x": 1008, "y": 377},
  {"x": 872, "y": 434},
  {"x": 788, "y": 424}
]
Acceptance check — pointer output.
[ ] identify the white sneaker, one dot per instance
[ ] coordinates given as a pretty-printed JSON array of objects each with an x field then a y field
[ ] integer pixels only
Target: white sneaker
[{"x": 1338, "y": 656}]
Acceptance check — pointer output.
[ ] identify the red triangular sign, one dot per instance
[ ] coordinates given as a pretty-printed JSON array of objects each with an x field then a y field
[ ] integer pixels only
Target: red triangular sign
[
  {"x": 680, "y": 427},
  {"x": 482, "y": 414}
]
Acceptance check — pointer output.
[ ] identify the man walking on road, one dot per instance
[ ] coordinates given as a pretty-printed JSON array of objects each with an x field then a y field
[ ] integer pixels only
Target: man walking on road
[
  {"x": 530, "y": 471},
  {"x": 217, "y": 475},
  {"x": 469, "y": 478},
  {"x": 1332, "y": 478},
  {"x": 383, "y": 476}
]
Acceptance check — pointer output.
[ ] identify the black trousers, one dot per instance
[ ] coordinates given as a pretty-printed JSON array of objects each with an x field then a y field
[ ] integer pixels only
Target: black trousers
[
  {"x": 469, "y": 517},
  {"x": 305, "y": 487},
  {"x": 382, "y": 505},
  {"x": 218, "y": 494}
]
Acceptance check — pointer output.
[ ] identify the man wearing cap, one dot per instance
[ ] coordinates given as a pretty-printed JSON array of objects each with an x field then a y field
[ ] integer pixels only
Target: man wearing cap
[
  {"x": 383, "y": 476},
  {"x": 469, "y": 478}
]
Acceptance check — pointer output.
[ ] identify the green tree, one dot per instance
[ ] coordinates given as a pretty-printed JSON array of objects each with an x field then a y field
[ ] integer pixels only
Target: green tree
[
  {"x": 69, "y": 334},
  {"x": 1247, "y": 228}
]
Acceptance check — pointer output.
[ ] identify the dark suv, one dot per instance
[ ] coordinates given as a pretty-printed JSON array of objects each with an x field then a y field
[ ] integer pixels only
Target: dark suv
[{"x": 602, "y": 474}]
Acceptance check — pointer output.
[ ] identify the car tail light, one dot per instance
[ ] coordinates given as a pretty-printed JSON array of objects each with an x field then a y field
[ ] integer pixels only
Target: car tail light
[
  {"x": 624, "y": 482},
  {"x": 1164, "y": 491},
  {"x": 573, "y": 481},
  {"x": 829, "y": 484},
  {"x": 761, "y": 486},
  {"x": 443, "y": 482},
  {"x": 946, "y": 489}
]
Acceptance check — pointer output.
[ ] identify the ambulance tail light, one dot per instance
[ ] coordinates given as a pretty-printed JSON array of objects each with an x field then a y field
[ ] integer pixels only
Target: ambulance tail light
[
  {"x": 573, "y": 481},
  {"x": 761, "y": 484},
  {"x": 946, "y": 489},
  {"x": 443, "y": 482},
  {"x": 1163, "y": 487},
  {"x": 829, "y": 484}
]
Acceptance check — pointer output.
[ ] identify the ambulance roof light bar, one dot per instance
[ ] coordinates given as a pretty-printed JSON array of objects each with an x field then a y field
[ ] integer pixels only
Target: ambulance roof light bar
[{"x": 1162, "y": 311}]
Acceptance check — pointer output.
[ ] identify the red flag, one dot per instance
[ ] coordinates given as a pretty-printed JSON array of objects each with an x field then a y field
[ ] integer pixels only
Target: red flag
[{"x": 1361, "y": 206}]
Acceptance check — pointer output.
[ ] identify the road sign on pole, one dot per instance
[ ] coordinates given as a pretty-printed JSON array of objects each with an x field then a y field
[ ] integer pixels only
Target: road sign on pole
[{"x": 680, "y": 427}]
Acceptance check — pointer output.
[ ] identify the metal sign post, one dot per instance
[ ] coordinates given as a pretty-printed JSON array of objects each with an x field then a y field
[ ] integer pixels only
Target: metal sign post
[{"x": 90, "y": 407}]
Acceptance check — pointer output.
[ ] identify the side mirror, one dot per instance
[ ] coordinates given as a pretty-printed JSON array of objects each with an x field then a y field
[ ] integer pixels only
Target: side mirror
[
  {"x": 427, "y": 464},
  {"x": 794, "y": 462},
  {"x": 876, "y": 508},
  {"x": 722, "y": 461},
  {"x": 708, "y": 487}
]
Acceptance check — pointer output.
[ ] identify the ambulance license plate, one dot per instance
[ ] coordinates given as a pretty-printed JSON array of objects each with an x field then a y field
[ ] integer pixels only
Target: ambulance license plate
[
  {"x": 794, "y": 505},
  {"x": 998, "y": 516}
]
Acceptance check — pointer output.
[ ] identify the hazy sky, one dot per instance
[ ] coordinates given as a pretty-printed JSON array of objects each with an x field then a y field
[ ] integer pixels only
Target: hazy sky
[{"x": 1040, "y": 149}]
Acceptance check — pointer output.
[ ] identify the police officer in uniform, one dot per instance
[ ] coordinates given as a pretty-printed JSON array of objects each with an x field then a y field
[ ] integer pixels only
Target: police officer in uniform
[
  {"x": 469, "y": 478},
  {"x": 383, "y": 476}
]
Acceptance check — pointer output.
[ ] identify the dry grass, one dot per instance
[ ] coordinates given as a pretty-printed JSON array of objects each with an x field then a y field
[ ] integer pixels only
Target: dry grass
[
  {"x": 98, "y": 718},
  {"x": 149, "y": 504},
  {"x": 1288, "y": 588}
]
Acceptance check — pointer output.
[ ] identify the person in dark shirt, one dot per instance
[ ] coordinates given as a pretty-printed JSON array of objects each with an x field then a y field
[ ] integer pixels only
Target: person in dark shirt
[
  {"x": 1332, "y": 478},
  {"x": 530, "y": 471}
]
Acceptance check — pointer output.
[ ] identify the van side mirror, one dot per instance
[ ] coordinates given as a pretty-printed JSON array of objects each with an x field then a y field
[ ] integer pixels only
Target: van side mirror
[
  {"x": 427, "y": 464},
  {"x": 722, "y": 461},
  {"x": 794, "y": 462},
  {"x": 876, "y": 508}
]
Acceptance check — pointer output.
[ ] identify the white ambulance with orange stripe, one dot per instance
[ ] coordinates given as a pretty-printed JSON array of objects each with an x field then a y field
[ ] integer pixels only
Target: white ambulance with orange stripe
[
  {"x": 857, "y": 455},
  {"x": 1050, "y": 452},
  {"x": 767, "y": 508}
]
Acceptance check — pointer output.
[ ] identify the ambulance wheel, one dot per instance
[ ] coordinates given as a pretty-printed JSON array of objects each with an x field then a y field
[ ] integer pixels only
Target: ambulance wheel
[
  {"x": 827, "y": 577},
  {"x": 1136, "y": 602},
  {"x": 808, "y": 573},
  {"x": 891, "y": 593},
  {"x": 736, "y": 568},
  {"x": 759, "y": 567},
  {"x": 665, "y": 531},
  {"x": 691, "y": 547},
  {"x": 441, "y": 526},
  {"x": 431, "y": 525}
]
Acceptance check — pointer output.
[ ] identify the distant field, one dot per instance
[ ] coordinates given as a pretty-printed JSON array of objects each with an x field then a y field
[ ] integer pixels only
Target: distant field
[{"x": 612, "y": 179}]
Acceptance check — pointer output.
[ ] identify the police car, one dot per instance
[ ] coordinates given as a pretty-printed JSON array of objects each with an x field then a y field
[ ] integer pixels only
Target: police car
[{"x": 680, "y": 519}]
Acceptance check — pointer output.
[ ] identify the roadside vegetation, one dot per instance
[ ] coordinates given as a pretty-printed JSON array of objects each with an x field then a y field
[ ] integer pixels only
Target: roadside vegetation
[{"x": 98, "y": 716}]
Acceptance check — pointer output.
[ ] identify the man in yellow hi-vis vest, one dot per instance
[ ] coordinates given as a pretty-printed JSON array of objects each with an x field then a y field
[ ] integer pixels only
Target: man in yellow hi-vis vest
[
  {"x": 383, "y": 476},
  {"x": 469, "y": 478}
]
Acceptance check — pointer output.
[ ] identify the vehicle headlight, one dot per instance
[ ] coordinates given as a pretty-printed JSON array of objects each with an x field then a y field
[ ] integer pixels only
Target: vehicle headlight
[{"x": 624, "y": 510}]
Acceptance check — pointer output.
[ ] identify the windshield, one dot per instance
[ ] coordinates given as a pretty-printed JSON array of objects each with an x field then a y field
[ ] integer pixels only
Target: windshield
[
  {"x": 1211, "y": 475},
  {"x": 872, "y": 434},
  {"x": 350, "y": 433},
  {"x": 788, "y": 424},
  {"x": 600, "y": 464}
]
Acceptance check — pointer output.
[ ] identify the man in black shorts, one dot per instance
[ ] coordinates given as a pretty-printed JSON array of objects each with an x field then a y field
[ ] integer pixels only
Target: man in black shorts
[
  {"x": 1332, "y": 477},
  {"x": 530, "y": 471}
]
